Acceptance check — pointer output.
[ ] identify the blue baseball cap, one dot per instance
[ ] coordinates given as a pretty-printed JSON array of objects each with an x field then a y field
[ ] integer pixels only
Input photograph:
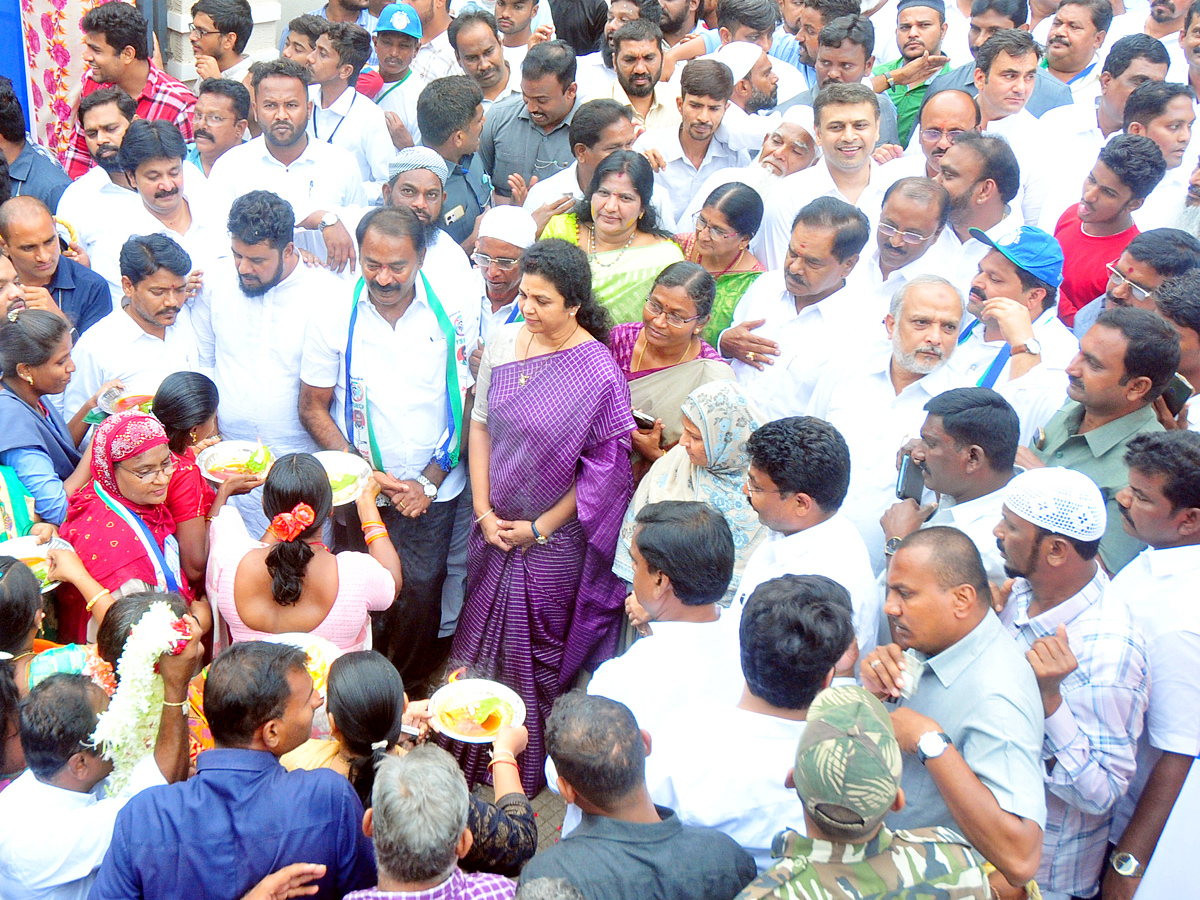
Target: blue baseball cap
[
  {"x": 399, "y": 17},
  {"x": 1030, "y": 249}
]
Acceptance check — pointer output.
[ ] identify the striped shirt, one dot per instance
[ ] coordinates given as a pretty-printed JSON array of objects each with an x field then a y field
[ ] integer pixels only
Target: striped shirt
[
  {"x": 1091, "y": 739},
  {"x": 459, "y": 886}
]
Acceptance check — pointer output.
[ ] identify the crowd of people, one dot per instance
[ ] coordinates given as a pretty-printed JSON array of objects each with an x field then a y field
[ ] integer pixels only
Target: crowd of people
[{"x": 789, "y": 401}]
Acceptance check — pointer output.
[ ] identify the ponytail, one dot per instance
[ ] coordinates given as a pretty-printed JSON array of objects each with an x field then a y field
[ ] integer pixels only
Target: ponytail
[
  {"x": 365, "y": 696},
  {"x": 287, "y": 562}
]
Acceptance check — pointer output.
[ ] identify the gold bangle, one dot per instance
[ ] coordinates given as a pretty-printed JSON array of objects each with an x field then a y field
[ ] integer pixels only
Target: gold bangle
[
  {"x": 88, "y": 606},
  {"x": 180, "y": 705},
  {"x": 484, "y": 516}
]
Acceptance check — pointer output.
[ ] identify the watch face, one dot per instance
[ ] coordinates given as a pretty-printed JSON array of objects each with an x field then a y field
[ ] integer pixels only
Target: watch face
[
  {"x": 931, "y": 744},
  {"x": 1125, "y": 864}
]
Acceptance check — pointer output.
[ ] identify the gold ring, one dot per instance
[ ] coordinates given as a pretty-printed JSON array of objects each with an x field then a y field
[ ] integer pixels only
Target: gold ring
[
  {"x": 403, "y": 505},
  {"x": 750, "y": 356}
]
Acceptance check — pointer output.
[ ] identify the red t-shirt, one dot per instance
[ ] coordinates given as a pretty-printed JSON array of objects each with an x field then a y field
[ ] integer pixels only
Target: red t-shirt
[{"x": 1084, "y": 274}]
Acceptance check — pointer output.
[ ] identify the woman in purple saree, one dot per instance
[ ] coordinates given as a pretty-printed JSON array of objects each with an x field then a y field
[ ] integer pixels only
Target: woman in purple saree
[{"x": 550, "y": 474}]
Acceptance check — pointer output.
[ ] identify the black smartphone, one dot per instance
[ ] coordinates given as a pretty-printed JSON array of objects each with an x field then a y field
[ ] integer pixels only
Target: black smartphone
[
  {"x": 1178, "y": 392},
  {"x": 911, "y": 482},
  {"x": 644, "y": 422}
]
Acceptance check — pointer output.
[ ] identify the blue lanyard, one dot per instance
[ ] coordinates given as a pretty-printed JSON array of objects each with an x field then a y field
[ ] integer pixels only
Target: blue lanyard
[
  {"x": 988, "y": 378},
  {"x": 966, "y": 333}
]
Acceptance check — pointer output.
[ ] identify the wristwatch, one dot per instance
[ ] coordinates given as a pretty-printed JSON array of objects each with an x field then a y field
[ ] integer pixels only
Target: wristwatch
[
  {"x": 1126, "y": 864},
  {"x": 1030, "y": 346},
  {"x": 932, "y": 744},
  {"x": 330, "y": 218},
  {"x": 428, "y": 487},
  {"x": 892, "y": 545},
  {"x": 538, "y": 536}
]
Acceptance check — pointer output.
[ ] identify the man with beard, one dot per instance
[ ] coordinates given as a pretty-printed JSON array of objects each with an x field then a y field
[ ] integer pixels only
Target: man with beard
[
  {"x": 920, "y": 29},
  {"x": 637, "y": 55},
  {"x": 1165, "y": 23},
  {"x": 313, "y": 177},
  {"x": 1100, "y": 225},
  {"x": 812, "y": 16},
  {"x": 394, "y": 86},
  {"x": 679, "y": 19},
  {"x": 597, "y": 71},
  {"x": 755, "y": 91},
  {"x": 1090, "y": 661},
  {"x": 1017, "y": 344},
  {"x": 1076, "y": 35},
  {"x": 152, "y": 156},
  {"x": 389, "y": 401},
  {"x": 219, "y": 120},
  {"x": 476, "y": 42},
  {"x": 1165, "y": 113},
  {"x": 93, "y": 200},
  {"x": 1150, "y": 259},
  {"x": 451, "y": 115},
  {"x": 149, "y": 335},
  {"x": 877, "y": 399}
]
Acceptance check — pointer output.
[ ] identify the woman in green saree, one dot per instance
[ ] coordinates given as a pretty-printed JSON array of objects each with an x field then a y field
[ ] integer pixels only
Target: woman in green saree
[
  {"x": 730, "y": 217},
  {"x": 618, "y": 228}
]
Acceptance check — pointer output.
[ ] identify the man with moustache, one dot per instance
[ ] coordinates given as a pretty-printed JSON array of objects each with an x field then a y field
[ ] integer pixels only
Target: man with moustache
[
  {"x": 1090, "y": 662},
  {"x": 920, "y": 29},
  {"x": 1187, "y": 208},
  {"x": 1076, "y": 35},
  {"x": 476, "y": 42},
  {"x": 597, "y": 71},
  {"x": 219, "y": 121},
  {"x": 354, "y": 12},
  {"x": 638, "y": 58},
  {"x": 1165, "y": 113},
  {"x": 393, "y": 85},
  {"x": 515, "y": 18},
  {"x": 1165, "y": 23},
  {"x": 944, "y": 118},
  {"x": 679, "y": 19},
  {"x": 755, "y": 91}
]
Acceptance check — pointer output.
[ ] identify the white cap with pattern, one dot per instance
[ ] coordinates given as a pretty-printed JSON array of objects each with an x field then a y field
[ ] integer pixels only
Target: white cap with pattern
[{"x": 1060, "y": 500}]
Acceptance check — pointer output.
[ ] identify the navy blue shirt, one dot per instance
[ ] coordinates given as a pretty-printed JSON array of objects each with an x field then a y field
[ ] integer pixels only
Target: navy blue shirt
[
  {"x": 81, "y": 294},
  {"x": 35, "y": 173},
  {"x": 239, "y": 818}
]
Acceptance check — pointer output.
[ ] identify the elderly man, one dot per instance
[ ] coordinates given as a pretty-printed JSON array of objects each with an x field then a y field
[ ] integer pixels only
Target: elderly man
[
  {"x": 920, "y": 30},
  {"x": 259, "y": 702},
  {"x": 877, "y": 401},
  {"x": 1187, "y": 205},
  {"x": 790, "y": 322},
  {"x": 968, "y": 714},
  {"x": 1017, "y": 344},
  {"x": 418, "y": 825},
  {"x": 504, "y": 234},
  {"x": 1077, "y": 33},
  {"x": 52, "y": 281},
  {"x": 1089, "y": 659},
  {"x": 219, "y": 121},
  {"x": 966, "y": 452}
]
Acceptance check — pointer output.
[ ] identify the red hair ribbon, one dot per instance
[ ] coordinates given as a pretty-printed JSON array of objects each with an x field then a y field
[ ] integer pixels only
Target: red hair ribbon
[{"x": 290, "y": 525}]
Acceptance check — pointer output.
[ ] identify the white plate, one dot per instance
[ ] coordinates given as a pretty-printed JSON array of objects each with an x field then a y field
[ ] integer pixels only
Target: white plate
[
  {"x": 110, "y": 400},
  {"x": 338, "y": 464},
  {"x": 29, "y": 548},
  {"x": 229, "y": 453},
  {"x": 466, "y": 690}
]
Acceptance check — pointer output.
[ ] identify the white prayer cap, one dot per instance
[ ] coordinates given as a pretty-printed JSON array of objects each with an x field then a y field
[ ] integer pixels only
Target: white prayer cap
[
  {"x": 511, "y": 224},
  {"x": 740, "y": 56},
  {"x": 1060, "y": 500},
  {"x": 801, "y": 115}
]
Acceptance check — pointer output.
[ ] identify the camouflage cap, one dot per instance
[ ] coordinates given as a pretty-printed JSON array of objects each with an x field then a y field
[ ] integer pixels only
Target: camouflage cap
[{"x": 848, "y": 764}]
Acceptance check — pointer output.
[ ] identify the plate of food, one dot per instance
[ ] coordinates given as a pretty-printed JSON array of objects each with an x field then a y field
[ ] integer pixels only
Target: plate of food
[
  {"x": 472, "y": 710},
  {"x": 227, "y": 458},
  {"x": 348, "y": 474},
  {"x": 118, "y": 400},
  {"x": 34, "y": 555}
]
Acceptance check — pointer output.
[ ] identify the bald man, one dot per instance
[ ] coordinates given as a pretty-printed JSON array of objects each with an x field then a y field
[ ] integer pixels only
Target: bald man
[
  {"x": 51, "y": 281},
  {"x": 943, "y": 117}
]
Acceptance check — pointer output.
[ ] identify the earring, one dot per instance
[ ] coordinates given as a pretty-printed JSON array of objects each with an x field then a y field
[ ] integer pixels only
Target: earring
[{"x": 29, "y": 379}]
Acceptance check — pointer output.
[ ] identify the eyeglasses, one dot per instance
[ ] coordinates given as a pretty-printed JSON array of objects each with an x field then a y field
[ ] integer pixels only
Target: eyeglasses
[
  {"x": 209, "y": 119},
  {"x": 909, "y": 237},
  {"x": 702, "y": 223},
  {"x": 752, "y": 489},
  {"x": 502, "y": 263},
  {"x": 166, "y": 468},
  {"x": 202, "y": 32},
  {"x": 1139, "y": 293},
  {"x": 655, "y": 308},
  {"x": 933, "y": 135}
]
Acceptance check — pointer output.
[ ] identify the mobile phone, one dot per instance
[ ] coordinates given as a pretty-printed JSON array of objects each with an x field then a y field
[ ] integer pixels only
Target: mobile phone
[
  {"x": 1177, "y": 394},
  {"x": 911, "y": 482},
  {"x": 644, "y": 422}
]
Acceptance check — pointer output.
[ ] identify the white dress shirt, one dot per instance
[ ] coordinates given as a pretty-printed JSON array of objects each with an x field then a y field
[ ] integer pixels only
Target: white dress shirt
[
  {"x": 91, "y": 203},
  {"x": 1039, "y": 393},
  {"x": 874, "y": 292},
  {"x": 807, "y": 341},
  {"x": 1159, "y": 587},
  {"x": 324, "y": 177},
  {"x": 976, "y": 519},
  {"x": 859, "y": 399},
  {"x": 354, "y": 123},
  {"x": 404, "y": 368},
  {"x": 117, "y": 347},
  {"x": 1024, "y": 134},
  {"x": 678, "y": 181},
  {"x": 559, "y": 185},
  {"x": 1165, "y": 200},
  {"x": 965, "y": 256},
  {"x": 1074, "y": 133},
  {"x": 594, "y": 78},
  {"x": 52, "y": 840},
  {"x": 800, "y": 188},
  {"x": 401, "y": 98},
  {"x": 736, "y": 784}
]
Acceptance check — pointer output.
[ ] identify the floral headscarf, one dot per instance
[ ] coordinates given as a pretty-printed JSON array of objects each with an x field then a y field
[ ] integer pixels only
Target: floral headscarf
[{"x": 119, "y": 438}]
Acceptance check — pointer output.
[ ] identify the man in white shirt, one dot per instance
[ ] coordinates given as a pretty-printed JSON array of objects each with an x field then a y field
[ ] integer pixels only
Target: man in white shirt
[
  {"x": 340, "y": 115},
  {"x": 793, "y": 632},
  {"x": 1017, "y": 344},
  {"x": 944, "y": 117},
  {"x": 798, "y": 477},
  {"x": 789, "y": 324},
  {"x": 877, "y": 401},
  {"x": 1077, "y": 33},
  {"x": 148, "y": 336},
  {"x": 1164, "y": 112},
  {"x": 375, "y": 380},
  {"x": 847, "y": 122},
  {"x": 515, "y": 20},
  {"x": 435, "y": 58},
  {"x": 504, "y": 234},
  {"x": 597, "y": 70},
  {"x": 755, "y": 91},
  {"x": 638, "y": 58},
  {"x": 1178, "y": 302},
  {"x": 690, "y": 153},
  {"x": 966, "y": 451},
  {"x": 1160, "y": 506},
  {"x": 476, "y": 41},
  {"x": 397, "y": 37},
  {"x": 316, "y": 179},
  {"x": 56, "y": 824},
  {"x": 250, "y": 322}
]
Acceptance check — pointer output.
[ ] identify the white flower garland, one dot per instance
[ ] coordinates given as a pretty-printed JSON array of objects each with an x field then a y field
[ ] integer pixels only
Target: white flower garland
[{"x": 128, "y": 729}]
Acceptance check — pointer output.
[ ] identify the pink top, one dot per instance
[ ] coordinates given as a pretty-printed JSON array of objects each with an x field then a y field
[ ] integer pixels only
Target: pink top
[
  {"x": 621, "y": 340},
  {"x": 364, "y": 586}
]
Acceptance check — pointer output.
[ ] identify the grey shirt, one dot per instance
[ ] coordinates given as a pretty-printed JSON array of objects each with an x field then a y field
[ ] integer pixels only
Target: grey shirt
[
  {"x": 468, "y": 194},
  {"x": 1086, "y": 316},
  {"x": 512, "y": 143},
  {"x": 1048, "y": 91},
  {"x": 608, "y": 859},
  {"x": 889, "y": 132},
  {"x": 983, "y": 693},
  {"x": 35, "y": 173}
]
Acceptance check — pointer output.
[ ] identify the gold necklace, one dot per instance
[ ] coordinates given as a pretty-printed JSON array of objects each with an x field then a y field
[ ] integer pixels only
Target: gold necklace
[
  {"x": 637, "y": 364},
  {"x": 524, "y": 379},
  {"x": 593, "y": 256}
]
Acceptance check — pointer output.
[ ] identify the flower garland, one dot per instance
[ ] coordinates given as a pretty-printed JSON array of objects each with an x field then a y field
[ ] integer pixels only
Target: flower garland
[{"x": 128, "y": 729}]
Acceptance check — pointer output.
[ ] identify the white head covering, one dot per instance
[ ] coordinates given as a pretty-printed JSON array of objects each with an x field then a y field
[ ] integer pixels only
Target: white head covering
[
  {"x": 413, "y": 158},
  {"x": 511, "y": 224},
  {"x": 802, "y": 115},
  {"x": 1060, "y": 500},
  {"x": 740, "y": 56}
]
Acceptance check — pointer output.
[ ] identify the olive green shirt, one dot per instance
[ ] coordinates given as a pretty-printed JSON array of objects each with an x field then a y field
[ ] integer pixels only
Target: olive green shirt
[
  {"x": 899, "y": 865},
  {"x": 1100, "y": 455}
]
